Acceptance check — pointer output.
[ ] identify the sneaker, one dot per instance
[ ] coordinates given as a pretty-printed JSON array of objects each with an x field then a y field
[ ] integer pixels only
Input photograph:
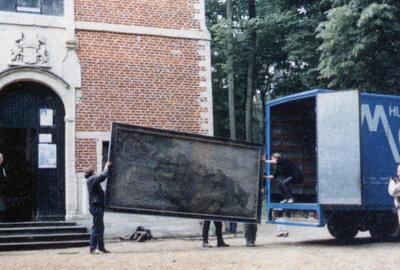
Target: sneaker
[
  {"x": 206, "y": 245},
  {"x": 290, "y": 200},
  {"x": 284, "y": 201},
  {"x": 94, "y": 251},
  {"x": 250, "y": 245},
  {"x": 104, "y": 251}
]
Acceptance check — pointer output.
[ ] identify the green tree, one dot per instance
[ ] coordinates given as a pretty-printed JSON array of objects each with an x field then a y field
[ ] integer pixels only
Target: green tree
[
  {"x": 284, "y": 54},
  {"x": 251, "y": 70},
  {"x": 360, "y": 49}
]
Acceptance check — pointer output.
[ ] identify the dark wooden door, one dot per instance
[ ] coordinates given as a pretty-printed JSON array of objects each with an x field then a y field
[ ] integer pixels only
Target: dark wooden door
[
  {"x": 21, "y": 105},
  {"x": 18, "y": 193}
]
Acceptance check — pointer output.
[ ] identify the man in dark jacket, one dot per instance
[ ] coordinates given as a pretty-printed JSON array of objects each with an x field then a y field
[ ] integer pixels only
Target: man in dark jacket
[
  {"x": 96, "y": 208},
  {"x": 288, "y": 172}
]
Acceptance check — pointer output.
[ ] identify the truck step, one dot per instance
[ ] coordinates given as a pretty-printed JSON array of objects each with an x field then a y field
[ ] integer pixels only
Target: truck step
[{"x": 302, "y": 214}]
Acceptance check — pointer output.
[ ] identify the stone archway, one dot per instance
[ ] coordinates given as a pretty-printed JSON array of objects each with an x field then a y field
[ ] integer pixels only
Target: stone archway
[
  {"x": 66, "y": 95},
  {"x": 33, "y": 142}
]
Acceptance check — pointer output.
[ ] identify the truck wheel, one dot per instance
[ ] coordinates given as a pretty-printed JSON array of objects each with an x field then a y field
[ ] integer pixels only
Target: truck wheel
[
  {"x": 342, "y": 229},
  {"x": 385, "y": 227}
]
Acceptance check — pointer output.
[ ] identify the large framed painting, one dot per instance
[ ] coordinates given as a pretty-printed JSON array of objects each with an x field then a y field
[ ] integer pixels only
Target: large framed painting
[{"x": 170, "y": 173}]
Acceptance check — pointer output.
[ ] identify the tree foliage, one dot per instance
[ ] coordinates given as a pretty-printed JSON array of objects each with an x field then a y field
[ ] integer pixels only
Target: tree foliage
[
  {"x": 360, "y": 47},
  {"x": 301, "y": 45}
]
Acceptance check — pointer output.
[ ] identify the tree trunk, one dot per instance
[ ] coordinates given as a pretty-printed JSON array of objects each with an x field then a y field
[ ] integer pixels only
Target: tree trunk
[
  {"x": 264, "y": 99},
  {"x": 231, "y": 85},
  {"x": 250, "y": 73}
]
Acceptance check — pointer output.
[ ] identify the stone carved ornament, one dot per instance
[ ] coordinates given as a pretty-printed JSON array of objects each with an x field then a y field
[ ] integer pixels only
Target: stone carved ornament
[{"x": 30, "y": 52}]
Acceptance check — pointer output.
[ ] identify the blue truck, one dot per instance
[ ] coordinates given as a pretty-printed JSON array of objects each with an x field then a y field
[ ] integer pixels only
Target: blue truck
[{"x": 347, "y": 145}]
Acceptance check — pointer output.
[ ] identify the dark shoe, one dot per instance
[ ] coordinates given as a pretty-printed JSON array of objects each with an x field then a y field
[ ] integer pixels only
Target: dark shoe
[
  {"x": 222, "y": 244},
  {"x": 104, "y": 251},
  {"x": 282, "y": 234},
  {"x": 206, "y": 245}
]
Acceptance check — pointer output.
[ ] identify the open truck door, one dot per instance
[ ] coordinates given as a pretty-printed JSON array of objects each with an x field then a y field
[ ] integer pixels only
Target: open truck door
[{"x": 338, "y": 148}]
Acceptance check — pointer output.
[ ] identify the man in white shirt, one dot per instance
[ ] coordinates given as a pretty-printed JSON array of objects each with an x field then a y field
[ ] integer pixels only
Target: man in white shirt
[{"x": 394, "y": 189}]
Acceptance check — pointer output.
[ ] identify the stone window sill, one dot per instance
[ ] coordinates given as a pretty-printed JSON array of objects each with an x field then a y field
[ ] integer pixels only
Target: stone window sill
[{"x": 27, "y": 19}]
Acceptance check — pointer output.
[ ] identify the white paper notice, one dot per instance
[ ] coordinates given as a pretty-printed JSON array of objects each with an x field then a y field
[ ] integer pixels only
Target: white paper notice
[
  {"x": 45, "y": 138},
  {"x": 47, "y": 156},
  {"x": 46, "y": 117}
]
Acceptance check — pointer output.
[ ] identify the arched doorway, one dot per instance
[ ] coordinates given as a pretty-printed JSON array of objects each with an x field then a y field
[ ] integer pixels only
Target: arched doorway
[{"x": 32, "y": 139}]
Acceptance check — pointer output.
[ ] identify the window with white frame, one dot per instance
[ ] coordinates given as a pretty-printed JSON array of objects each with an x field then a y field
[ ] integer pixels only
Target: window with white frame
[
  {"x": 45, "y": 7},
  {"x": 33, "y": 6}
]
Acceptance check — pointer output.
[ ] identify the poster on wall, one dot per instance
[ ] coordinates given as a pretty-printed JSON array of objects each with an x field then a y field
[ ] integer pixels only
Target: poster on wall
[
  {"x": 47, "y": 156},
  {"x": 46, "y": 117},
  {"x": 45, "y": 138}
]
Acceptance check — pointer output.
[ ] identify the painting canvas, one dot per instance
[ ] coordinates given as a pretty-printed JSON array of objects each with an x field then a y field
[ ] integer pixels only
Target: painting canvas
[{"x": 184, "y": 175}]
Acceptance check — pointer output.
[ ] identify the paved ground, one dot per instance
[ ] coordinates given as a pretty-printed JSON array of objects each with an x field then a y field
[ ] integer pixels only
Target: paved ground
[{"x": 305, "y": 248}]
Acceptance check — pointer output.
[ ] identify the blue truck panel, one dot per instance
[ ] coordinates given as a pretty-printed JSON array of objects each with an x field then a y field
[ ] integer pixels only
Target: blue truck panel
[{"x": 380, "y": 126}]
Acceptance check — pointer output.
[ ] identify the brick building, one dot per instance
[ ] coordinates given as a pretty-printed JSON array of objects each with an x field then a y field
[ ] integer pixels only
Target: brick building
[{"x": 69, "y": 68}]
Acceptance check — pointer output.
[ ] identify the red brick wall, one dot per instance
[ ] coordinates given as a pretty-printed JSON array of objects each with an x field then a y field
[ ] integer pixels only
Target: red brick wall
[
  {"x": 142, "y": 80},
  {"x": 175, "y": 14},
  {"x": 85, "y": 154}
]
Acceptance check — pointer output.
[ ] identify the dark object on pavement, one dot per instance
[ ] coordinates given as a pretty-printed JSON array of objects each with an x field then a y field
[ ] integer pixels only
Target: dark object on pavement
[{"x": 140, "y": 235}]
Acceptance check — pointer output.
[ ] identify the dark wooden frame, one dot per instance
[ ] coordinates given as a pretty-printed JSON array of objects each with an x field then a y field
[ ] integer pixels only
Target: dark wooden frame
[{"x": 186, "y": 136}]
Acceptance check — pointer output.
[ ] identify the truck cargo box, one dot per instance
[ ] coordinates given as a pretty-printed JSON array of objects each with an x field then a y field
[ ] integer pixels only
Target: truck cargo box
[
  {"x": 346, "y": 144},
  {"x": 171, "y": 173}
]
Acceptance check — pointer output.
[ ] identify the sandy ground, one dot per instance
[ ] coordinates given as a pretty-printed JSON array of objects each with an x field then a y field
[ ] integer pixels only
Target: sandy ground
[{"x": 305, "y": 248}]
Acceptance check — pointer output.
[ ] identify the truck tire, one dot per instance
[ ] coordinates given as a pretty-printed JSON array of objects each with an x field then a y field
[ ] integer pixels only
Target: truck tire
[
  {"x": 342, "y": 228},
  {"x": 384, "y": 227}
]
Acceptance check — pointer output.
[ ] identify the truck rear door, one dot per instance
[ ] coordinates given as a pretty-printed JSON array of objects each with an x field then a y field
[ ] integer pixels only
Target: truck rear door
[{"x": 338, "y": 148}]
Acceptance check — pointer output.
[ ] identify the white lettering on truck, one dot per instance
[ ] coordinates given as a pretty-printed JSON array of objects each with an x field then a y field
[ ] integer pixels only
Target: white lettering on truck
[
  {"x": 394, "y": 111},
  {"x": 373, "y": 122}
]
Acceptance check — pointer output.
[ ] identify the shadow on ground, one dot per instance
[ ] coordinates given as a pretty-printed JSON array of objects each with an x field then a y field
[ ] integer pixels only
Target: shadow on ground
[{"x": 337, "y": 243}]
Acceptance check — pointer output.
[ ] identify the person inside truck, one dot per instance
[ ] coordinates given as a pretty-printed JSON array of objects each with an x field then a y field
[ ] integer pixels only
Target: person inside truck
[{"x": 287, "y": 172}]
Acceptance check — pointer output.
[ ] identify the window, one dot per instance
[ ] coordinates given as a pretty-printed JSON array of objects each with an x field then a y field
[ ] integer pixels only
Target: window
[
  {"x": 45, "y": 7},
  {"x": 33, "y": 6}
]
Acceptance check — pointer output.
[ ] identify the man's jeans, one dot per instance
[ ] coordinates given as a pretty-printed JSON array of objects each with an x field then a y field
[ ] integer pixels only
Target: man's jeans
[
  {"x": 285, "y": 188},
  {"x": 250, "y": 233},
  {"x": 97, "y": 236},
  {"x": 218, "y": 231}
]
